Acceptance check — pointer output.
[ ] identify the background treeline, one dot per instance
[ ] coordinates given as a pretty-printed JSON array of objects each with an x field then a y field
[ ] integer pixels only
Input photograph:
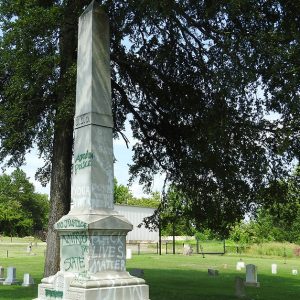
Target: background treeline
[
  {"x": 25, "y": 212},
  {"x": 22, "y": 210}
]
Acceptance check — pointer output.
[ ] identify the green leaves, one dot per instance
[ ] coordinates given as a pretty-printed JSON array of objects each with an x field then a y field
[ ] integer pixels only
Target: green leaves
[{"x": 22, "y": 211}]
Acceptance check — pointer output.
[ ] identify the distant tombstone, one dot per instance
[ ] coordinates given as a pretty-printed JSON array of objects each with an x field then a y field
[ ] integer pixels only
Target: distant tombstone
[
  {"x": 11, "y": 276},
  {"x": 1, "y": 275},
  {"x": 240, "y": 265},
  {"x": 29, "y": 249},
  {"x": 295, "y": 272},
  {"x": 225, "y": 266},
  {"x": 213, "y": 272},
  {"x": 27, "y": 280},
  {"x": 128, "y": 254},
  {"x": 187, "y": 250},
  {"x": 137, "y": 273},
  {"x": 239, "y": 288},
  {"x": 274, "y": 268},
  {"x": 251, "y": 275}
]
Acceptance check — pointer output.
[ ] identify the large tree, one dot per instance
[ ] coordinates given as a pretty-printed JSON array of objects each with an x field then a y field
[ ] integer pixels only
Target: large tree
[{"x": 192, "y": 75}]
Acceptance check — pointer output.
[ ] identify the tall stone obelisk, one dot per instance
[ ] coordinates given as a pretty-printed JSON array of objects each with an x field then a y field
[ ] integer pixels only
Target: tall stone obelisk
[{"x": 92, "y": 235}]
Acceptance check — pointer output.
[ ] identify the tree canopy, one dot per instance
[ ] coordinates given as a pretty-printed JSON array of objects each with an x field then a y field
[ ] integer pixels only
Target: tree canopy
[
  {"x": 197, "y": 77},
  {"x": 22, "y": 211}
]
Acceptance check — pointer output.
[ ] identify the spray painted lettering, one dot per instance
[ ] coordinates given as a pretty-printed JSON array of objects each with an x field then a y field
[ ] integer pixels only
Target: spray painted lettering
[
  {"x": 74, "y": 263},
  {"x": 67, "y": 223},
  {"x": 83, "y": 160},
  {"x": 53, "y": 293}
]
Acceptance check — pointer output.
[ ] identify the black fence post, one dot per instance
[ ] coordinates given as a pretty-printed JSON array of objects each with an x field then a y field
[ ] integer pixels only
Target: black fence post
[
  {"x": 197, "y": 241},
  {"x": 139, "y": 248},
  {"x": 224, "y": 246},
  {"x": 166, "y": 247}
]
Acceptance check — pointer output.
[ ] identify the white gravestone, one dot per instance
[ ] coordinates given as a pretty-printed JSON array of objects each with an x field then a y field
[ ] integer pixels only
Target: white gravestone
[
  {"x": 251, "y": 275},
  {"x": 92, "y": 234},
  {"x": 1, "y": 275},
  {"x": 274, "y": 268},
  {"x": 240, "y": 265},
  {"x": 11, "y": 276},
  {"x": 27, "y": 280},
  {"x": 128, "y": 254},
  {"x": 295, "y": 272}
]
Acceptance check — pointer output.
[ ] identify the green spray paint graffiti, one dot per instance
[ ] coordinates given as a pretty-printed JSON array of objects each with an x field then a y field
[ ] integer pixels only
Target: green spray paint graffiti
[
  {"x": 83, "y": 161},
  {"x": 53, "y": 293}
]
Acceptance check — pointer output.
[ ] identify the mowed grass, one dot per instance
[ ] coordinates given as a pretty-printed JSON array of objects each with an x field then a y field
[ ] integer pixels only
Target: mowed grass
[{"x": 178, "y": 277}]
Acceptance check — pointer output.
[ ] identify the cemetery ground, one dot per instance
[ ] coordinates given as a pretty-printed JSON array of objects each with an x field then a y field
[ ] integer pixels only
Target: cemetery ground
[{"x": 170, "y": 276}]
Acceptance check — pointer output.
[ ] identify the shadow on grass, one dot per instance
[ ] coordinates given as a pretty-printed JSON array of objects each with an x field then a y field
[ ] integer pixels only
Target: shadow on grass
[
  {"x": 11, "y": 292},
  {"x": 177, "y": 284},
  {"x": 194, "y": 285}
]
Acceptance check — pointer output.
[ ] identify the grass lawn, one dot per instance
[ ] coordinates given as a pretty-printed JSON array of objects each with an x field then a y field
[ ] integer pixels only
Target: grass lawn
[{"x": 178, "y": 277}]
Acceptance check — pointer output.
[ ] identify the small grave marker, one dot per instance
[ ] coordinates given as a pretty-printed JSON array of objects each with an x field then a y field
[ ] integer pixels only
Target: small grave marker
[
  {"x": 187, "y": 250},
  {"x": 295, "y": 272},
  {"x": 213, "y": 272},
  {"x": 27, "y": 280},
  {"x": 240, "y": 265},
  {"x": 239, "y": 288},
  {"x": 128, "y": 254},
  {"x": 11, "y": 276},
  {"x": 251, "y": 276},
  {"x": 274, "y": 268}
]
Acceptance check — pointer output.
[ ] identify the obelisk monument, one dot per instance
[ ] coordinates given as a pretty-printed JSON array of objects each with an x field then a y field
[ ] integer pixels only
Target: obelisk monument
[{"x": 92, "y": 234}]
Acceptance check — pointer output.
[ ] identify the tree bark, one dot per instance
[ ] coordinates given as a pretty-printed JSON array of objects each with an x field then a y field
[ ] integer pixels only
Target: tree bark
[{"x": 60, "y": 191}]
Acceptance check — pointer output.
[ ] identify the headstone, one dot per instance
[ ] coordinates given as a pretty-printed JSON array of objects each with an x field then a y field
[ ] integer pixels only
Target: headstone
[
  {"x": 27, "y": 280},
  {"x": 128, "y": 254},
  {"x": 137, "y": 273},
  {"x": 11, "y": 276},
  {"x": 1, "y": 275},
  {"x": 225, "y": 266},
  {"x": 240, "y": 265},
  {"x": 251, "y": 275},
  {"x": 29, "y": 249},
  {"x": 239, "y": 288},
  {"x": 274, "y": 268},
  {"x": 213, "y": 272},
  {"x": 187, "y": 250},
  {"x": 295, "y": 272},
  {"x": 93, "y": 235}
]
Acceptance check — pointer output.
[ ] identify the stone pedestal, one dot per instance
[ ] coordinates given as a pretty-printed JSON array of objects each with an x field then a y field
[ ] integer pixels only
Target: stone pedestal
[{"x": 93, "y": 257}]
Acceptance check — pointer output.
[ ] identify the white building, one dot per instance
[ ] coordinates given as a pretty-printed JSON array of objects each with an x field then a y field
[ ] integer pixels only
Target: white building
[{"x": 136, "y": 214}]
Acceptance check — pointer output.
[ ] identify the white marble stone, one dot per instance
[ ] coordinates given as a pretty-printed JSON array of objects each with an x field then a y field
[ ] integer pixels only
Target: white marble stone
[
  {"x": 251, "y": 275},
  {"x": 274, "y": 268},
  {"x": 11, "y": 276},
  {"x": 295, "y": 272},
  {"x": 240, "y": 265},
  {"x": 128, "y": 254},
  {"x": 27, "y": 280}
]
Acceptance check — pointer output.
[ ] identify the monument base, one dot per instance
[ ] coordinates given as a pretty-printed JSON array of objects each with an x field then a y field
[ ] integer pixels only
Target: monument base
[{"x": 104, "y": 286}]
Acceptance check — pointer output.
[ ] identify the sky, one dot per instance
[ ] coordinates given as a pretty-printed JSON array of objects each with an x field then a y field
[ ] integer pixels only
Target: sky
[{"x": 123, "y": 156}]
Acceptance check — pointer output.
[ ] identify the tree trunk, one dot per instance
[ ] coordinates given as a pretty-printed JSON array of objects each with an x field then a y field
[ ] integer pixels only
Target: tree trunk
[{"x": 60, "y": 191}]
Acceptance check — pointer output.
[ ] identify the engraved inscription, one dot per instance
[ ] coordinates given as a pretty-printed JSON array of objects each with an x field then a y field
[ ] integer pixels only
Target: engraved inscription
[{"x": 82, "y": 120}]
